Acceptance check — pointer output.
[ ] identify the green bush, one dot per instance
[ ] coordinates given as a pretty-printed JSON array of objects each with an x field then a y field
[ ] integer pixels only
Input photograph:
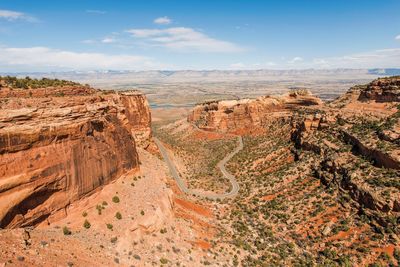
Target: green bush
[
  {"x": 115, "y": 199},
  {"x": 86, "y": 224},
  {"x": 29, "y": 83},
  {"x": 99, "y": 209},
  {"x": 118, "y": 215},
  {"x": 66, "y": 231}
]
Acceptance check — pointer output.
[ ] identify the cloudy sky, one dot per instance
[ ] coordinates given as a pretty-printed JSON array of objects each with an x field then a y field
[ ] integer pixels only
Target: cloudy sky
[{"x": 199, "y": 34}]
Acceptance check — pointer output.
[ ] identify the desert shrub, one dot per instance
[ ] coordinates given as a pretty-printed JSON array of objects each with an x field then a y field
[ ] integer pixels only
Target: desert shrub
[
  {"x": 115, "y": 199},
  {"x": 66, "y": 231},
  {"x": 27, "y": 82},
  {"x": 86, "y": 224},
  {"x": 118, "y": 215},
  {"x": 99, "y": 208}
]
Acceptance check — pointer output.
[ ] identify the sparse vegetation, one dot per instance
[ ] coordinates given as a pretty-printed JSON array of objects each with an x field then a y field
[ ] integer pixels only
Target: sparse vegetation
[
  {"x": 66, "y": 231},
  {"x": 99, "y": 208},
  {"x": 163, "y": 261},
  {"x": 115, "y": 199},
  {"x": 87, "y": 224},
  {"x": 30, "y": 83}
]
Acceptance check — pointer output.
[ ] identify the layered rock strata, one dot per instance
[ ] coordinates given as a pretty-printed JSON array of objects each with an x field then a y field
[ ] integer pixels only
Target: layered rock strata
[
  {"x": 58, "y": 145},
  {"x": 245, "y": 114}
]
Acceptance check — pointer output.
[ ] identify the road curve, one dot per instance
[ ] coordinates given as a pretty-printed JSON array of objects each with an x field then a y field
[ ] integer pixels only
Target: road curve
[{"x": 221, "y": 165}]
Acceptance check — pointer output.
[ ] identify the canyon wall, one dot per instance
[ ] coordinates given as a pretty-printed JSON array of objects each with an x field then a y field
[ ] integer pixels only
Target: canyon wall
[
  {"x": 248, "y": 114},
  {"x": 356, "y": 149},
  {"x": 382, "y": 90},
  {"x": 58, "y": 145}
]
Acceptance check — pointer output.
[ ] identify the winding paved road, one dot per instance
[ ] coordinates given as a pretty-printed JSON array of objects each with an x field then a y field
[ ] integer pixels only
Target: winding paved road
[{"x": 220, "y": 165}]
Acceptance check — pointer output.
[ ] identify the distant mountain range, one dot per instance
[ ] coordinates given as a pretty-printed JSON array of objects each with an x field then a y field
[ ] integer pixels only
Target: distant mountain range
[
  {"x": 111, "y": 77},
  {"x": 388, "y": 72}
]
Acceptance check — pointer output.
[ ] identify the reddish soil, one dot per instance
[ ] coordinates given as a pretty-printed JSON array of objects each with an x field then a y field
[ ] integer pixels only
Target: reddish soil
[
  {"x": 202, "y": 244},
  {"x": 201, "y": 210},
  {"x": 345, "y": 234},
  {"x": 270, "y": 197},
  {"x": 203, "y": 135}
]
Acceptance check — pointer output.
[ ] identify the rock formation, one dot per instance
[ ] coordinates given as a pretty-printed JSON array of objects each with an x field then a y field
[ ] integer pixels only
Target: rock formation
[
  {"x": 353, "y": 142},
  {"x": 246, "y": 114},
  {"x": 358, "y": 154},
  {"x": 382, "y": 90},
  {"x": 58, "y": 145}
]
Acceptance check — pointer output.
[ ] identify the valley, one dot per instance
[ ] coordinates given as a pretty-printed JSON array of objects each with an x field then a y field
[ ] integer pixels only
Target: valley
[{"x": 92, "y": 177}]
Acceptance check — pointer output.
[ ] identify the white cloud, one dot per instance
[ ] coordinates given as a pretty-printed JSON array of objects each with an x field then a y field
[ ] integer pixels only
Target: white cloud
[
  {"x": 43, "y": 58},
  {"x": 267, "y": 64},
  {"x": 238, "y": 65},
  {"x": 184, "y": 39},
  {"x": 397, "y": 37},
  {"x": 14, "y": 15},
  {"x": 95, "y": 11},
  {"x": 255, "y": 66},
  {"x": 383, "y": 58},
  {"x": 88, "y": 41},
  {"x": 295, "y": 60},
  {"x": 108, "y": 40},
  {"x": 163, "y": 20}
]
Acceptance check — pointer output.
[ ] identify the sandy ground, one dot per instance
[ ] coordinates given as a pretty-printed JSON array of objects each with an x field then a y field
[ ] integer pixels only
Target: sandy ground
[{"x": 158, "y": 225}]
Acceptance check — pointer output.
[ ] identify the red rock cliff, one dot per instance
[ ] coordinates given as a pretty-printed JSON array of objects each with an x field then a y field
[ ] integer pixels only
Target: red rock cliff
[
  {"x": 247, "y": 114},
  {"x": 58, "y": 145}
]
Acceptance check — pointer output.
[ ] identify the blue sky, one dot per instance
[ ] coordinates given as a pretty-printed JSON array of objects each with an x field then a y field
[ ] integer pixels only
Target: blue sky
[{"x": 208, "y": 34}]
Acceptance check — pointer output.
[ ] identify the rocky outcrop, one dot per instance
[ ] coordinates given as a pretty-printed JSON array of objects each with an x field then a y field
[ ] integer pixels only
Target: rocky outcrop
[
  {"x": 247, "y": 114},
  {"x": 59, "y": 146},
  {"x": 137, "y": 117},
  {"x": 337, "y": 168},
  {"x": 380, "y": 158},
  {"x": 332, "y": 171},
  {"x": 382, "y": 90}
]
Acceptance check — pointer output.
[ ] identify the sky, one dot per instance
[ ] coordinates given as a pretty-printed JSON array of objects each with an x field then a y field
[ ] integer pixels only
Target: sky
[{"x": 198, "y": 34}]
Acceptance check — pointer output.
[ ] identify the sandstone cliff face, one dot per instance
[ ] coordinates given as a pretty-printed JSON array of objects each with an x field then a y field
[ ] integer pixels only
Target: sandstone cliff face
[
  {"x": 247, "y": 114},
  {"x": 57, "y": 146},
  {"x": 137, "y": 117},
  {"x": 382, "y": 90}
]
